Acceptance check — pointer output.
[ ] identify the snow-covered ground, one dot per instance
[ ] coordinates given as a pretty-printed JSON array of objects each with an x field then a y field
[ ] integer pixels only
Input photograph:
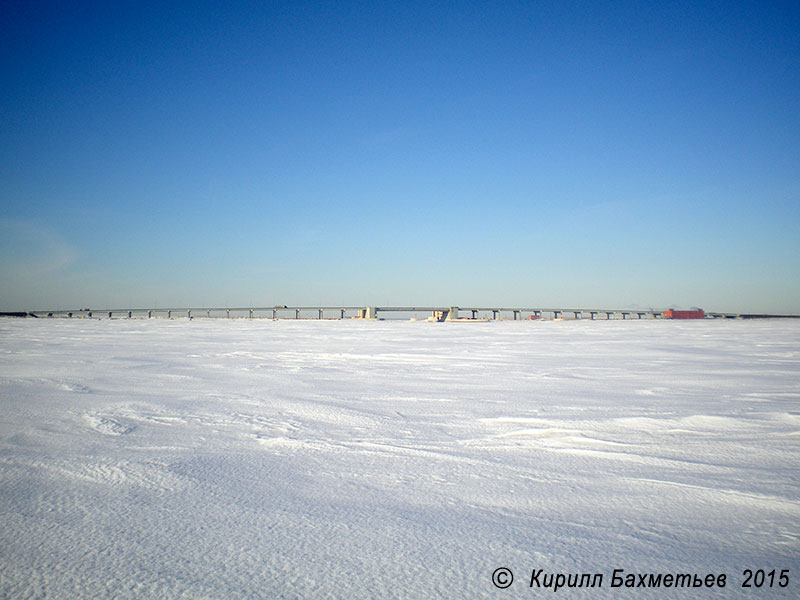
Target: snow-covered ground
[{"x": 344, "y": 459}]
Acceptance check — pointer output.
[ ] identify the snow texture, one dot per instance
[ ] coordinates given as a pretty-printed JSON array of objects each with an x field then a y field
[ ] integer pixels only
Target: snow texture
[{"x": 344, "y": 459}]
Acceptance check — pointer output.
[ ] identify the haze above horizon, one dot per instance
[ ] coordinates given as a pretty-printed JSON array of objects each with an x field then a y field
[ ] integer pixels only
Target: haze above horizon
[{"x": 532, "y": 154}]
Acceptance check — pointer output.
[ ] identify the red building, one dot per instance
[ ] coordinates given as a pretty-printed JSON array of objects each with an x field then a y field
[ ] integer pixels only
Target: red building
[{"x": 684, "y": 314}]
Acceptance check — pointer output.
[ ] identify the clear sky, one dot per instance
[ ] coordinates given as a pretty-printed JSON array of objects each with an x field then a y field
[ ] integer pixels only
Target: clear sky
[{"x": 588, "y": 154}]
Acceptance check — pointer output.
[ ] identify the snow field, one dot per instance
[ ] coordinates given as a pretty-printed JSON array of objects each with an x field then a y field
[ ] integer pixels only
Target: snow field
[{"x": 345, "y": 459}]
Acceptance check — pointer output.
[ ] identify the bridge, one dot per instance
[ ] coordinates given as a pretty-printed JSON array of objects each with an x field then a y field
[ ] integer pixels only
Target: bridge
[{"x": 431, "y": 313}]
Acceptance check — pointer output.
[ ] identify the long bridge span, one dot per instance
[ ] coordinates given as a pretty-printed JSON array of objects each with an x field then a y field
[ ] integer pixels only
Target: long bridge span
[{"x": 434, "y": 313}]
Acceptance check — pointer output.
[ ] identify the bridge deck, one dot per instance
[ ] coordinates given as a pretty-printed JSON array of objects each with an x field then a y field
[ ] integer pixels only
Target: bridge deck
[{"x": 343, "y": 312}]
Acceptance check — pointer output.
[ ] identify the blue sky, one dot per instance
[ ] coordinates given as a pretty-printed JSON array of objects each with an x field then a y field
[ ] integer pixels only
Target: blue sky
[{"x": 531, "y": 154}]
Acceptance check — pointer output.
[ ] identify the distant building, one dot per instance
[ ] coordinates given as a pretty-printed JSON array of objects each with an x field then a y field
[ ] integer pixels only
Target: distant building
[{"x": 684, "y": 314}]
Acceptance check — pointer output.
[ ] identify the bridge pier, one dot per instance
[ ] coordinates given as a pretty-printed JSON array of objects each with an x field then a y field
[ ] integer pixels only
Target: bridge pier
[{"x": 370, "y": 313}]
